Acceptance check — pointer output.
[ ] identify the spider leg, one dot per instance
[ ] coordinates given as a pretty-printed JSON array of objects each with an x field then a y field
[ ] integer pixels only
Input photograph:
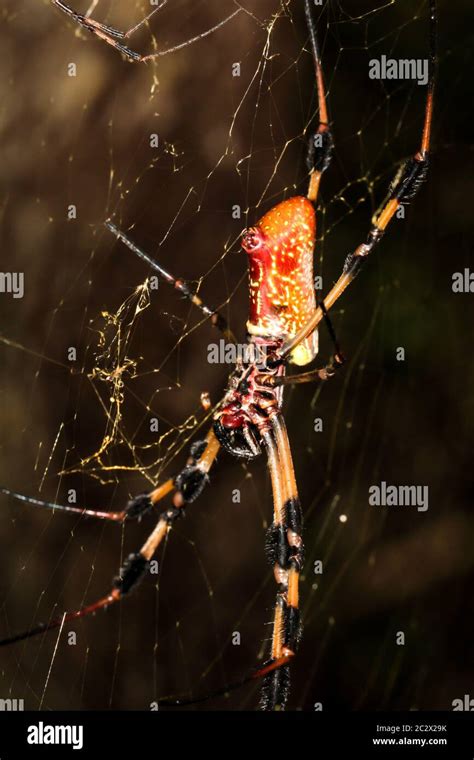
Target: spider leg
[
  {"x": 88, "y": 23},
  {"x": 183, "y": 287},
  {"x": 189, "y": 485},
  {"x": 321, "y": 373},
  {"x": 108, "y": 33},
  {"x": 338, "y": 358},
  {"x": 285, "y": 552},
  {"x": 403, "y": 189},
  {"x": 284, "y": 548},
  {"x": 321, "y": 143}
]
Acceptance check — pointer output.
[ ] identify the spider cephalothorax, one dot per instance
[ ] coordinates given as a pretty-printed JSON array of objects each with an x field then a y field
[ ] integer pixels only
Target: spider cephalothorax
[{"x": 249, "y": 403}]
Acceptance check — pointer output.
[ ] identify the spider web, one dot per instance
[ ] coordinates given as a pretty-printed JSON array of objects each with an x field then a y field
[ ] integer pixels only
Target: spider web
[{"x": 89, "y": 424}]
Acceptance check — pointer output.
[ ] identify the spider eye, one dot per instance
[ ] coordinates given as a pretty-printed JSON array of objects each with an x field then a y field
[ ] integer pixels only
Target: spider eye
[{"x": 252, "y": 239}]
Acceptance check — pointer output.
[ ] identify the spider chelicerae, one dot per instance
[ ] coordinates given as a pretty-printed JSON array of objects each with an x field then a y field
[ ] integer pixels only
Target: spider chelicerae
[{"x": 282, "y": 326}]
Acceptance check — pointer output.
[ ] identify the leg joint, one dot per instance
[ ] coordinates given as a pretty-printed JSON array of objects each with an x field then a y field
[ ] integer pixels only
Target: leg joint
[
  {"x": 131, "y": 573},
  {"x": 409, "y": 180},
  {"x": 138, "y": 506},
  {"x": 320, "y": 150}
]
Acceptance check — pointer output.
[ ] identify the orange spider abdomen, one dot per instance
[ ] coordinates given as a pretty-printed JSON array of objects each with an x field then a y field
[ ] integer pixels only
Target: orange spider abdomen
[{"x": 280, "y": 249}]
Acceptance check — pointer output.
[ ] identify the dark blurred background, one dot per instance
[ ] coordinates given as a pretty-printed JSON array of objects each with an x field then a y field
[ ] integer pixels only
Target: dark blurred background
[{"x": 232, "y": 140}]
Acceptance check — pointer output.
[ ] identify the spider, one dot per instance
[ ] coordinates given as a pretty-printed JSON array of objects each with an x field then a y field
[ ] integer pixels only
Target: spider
[{"x": 283, "y": 322}]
